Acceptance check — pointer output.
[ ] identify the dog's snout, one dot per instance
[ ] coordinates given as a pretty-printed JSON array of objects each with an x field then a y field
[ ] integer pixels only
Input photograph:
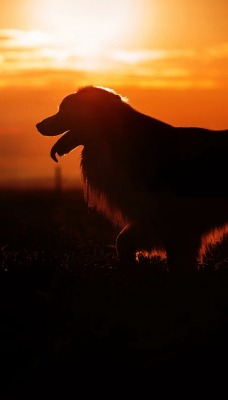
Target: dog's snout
[
  {"x": 43, "y": 127},
  {"x": 51, "y": 126},
  {"x": 38, "y": 127}
]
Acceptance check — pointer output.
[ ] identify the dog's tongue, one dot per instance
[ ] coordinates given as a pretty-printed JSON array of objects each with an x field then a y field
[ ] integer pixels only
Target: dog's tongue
[{"x": 68, "y": 142}]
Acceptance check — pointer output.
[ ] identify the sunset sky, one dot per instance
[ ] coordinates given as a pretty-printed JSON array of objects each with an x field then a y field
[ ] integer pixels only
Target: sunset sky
[{"x": 169, "y": 57}]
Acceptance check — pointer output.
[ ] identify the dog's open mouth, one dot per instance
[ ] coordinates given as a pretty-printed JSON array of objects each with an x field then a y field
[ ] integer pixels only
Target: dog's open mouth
[{"x": 68, "y": 142}]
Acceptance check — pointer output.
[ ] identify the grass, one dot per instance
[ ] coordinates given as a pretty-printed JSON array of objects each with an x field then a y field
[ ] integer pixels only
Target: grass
[{"x": 71, "y": 320}]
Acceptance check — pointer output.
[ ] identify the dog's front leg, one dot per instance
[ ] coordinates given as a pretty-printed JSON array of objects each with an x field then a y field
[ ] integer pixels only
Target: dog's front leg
[{"x": 127, "y": 245}]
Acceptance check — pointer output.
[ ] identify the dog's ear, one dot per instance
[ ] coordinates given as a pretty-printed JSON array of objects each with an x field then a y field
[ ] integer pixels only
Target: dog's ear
[{"x": 68, "y": 142}]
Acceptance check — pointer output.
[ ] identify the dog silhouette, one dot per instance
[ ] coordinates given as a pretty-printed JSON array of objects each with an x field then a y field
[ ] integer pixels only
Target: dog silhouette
[{"x": 165, "y": 186}]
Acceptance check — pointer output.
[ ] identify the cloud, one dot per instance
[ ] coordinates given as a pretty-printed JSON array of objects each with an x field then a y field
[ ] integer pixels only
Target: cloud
[
  {"x": 22, "y": 50},
  {"x": 145, "y": 55},
  {"x": 218, "y": 52},
  {"x": 21, "y": 39},
  {"x": 32, "y": 52}
]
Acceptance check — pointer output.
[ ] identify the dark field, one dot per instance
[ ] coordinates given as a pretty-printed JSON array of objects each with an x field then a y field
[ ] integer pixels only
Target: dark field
[{"x": 72, "y": 322}]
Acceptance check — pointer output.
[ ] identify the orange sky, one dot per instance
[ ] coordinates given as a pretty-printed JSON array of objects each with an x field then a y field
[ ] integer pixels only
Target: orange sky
[{"x": 170, "y": 58}]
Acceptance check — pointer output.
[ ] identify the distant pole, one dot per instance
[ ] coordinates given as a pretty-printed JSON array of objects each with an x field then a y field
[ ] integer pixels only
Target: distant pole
[{"x": 58, "y": 179}]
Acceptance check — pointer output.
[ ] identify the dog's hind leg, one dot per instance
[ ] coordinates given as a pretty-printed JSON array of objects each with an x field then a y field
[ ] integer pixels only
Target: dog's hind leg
[
  {"x": 182, "y": 254},
  {"x": 126, "y": 246},
  {"x": 135, "y": 237}
]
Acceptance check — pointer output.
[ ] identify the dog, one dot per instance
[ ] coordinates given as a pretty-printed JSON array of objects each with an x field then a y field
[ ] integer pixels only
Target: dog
[{"x": 165, "y": 186}]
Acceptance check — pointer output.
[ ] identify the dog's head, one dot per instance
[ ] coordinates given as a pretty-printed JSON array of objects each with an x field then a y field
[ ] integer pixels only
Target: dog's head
[{"x": 78, "y": 115}]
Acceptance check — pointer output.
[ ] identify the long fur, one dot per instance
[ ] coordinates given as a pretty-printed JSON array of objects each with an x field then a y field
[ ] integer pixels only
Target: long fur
[{"x": 163, "y": 185}]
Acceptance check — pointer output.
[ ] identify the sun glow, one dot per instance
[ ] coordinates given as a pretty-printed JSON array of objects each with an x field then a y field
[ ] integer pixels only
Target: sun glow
[{"x": 91, "y": 28}]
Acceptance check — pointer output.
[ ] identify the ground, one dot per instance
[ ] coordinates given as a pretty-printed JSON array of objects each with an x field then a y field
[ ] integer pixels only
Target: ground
[{"x": 71, "y": 320}]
